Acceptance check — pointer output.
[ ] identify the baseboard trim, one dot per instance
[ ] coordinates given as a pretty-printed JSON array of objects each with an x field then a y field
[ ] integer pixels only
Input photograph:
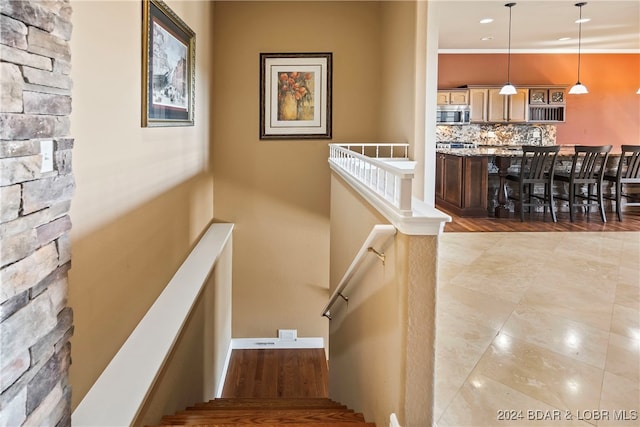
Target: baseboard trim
[
  {"x": 225, "y": 368},
  {"x": 257, "y": 343}
]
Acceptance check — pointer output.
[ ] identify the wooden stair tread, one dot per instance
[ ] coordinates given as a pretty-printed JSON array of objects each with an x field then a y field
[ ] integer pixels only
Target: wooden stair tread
[
  {"x": 267, "y": 412},
  {"x": 242, "y": 403},
  {"x": 263, "y": 416},
  {"x": 336, "y": 424},
  {"x": 246, "y": 407}
]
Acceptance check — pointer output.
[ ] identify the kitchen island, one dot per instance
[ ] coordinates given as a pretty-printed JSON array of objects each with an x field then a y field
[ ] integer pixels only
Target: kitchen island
[{"x": 463, "y": 178}]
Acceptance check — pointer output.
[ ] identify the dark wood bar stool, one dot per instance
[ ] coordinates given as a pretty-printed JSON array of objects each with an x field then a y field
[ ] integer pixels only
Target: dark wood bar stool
[
  {"x": 536, "y": 168},
  {"x": 587, "y": 171},
  {"x": 627, "y": 174}
]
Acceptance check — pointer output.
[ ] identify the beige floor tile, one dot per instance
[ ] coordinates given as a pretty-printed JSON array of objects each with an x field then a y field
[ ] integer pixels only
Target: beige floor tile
[
  {"x": 580, "y": 307},
  {"x": 573, "y": 339},
  {"x": 628, "y": 296},
  {"x": 629, "y": 275},
  {"x": 577, "y": 312},
  {"x": 620, "y": 398},
  {"x": 626, "y": 322},
  {"x": 515, "y": 276},
  {"x": 461, "y": 343},
  {"x": 542, "y": 374},
  {"x": 447, "y": 271},
  {"x": 623, "y": 357},
  {"x": 486, "y": 402},
  {"x": 475, "y": 306}
]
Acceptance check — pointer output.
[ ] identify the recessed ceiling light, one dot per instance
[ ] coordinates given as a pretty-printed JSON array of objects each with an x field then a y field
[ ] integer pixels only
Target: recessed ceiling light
[
  {"x": 487, "y": 38},
  {"x": 582, "y": 21},
  {"x": 564, "y": 39},
  {"x": 486, "y": 20}
]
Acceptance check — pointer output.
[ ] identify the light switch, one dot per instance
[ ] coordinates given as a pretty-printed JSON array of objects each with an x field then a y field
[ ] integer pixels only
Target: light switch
[{"x": 46, "y": 150}]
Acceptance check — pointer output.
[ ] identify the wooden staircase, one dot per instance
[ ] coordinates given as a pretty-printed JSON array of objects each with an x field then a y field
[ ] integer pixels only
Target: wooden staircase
[{"x": 267, "y": 412}]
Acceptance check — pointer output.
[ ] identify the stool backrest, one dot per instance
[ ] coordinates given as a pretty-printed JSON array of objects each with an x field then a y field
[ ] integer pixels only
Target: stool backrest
[
  {"x": 537, "y": 161},
  {"x": 589, "y": 162},
  {"x": 630, "y": 155}
]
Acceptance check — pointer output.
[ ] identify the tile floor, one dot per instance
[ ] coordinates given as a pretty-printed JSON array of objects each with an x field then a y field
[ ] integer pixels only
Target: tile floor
[{"x": 538, "y": 329}]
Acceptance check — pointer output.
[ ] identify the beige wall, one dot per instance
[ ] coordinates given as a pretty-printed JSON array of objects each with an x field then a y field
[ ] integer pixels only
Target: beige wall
[
  {"x": 277, "y": 192},
  {"x": 381, "y": 353},
  {"x": 143, "y": 195}
]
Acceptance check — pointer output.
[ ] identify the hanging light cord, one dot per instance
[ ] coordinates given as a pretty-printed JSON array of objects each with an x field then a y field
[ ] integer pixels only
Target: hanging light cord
[
  {"x": 509, "y": 5},
  {"x": 579, "y": 37}
]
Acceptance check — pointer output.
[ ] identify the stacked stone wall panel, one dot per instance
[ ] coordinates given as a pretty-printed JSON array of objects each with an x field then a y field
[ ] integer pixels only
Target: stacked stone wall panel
[{"x": 35, "y": 254}]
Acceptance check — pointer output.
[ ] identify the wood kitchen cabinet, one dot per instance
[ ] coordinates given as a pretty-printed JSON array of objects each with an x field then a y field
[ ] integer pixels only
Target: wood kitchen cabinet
[
  {"x": 487, "y": 105},
  {"x": 478, "y": 101},
  {"x": 453, "y": 97},
  {"x": 461, "y": 184}
]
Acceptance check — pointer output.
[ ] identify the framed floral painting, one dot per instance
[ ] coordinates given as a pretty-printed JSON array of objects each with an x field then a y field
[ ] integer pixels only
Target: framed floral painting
[
  {"x": 295, "y": 95},
  {"x": 168, "y": 67}
]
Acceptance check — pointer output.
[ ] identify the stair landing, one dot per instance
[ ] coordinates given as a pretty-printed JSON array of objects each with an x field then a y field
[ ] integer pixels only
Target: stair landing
[{"x": 272, "y": 373}]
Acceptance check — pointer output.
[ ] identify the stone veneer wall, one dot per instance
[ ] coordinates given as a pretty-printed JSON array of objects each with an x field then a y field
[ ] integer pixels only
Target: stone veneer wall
[{"x": 35, "y": 104}]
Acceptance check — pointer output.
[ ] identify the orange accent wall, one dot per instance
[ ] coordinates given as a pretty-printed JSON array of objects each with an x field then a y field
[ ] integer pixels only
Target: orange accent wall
[{"x": 608, "y": 114}]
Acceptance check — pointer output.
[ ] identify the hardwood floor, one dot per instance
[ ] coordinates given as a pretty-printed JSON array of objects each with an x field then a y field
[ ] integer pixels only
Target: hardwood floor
[
  {"x": 538, "y": 222},
  {"x": 275, "y": 373}
]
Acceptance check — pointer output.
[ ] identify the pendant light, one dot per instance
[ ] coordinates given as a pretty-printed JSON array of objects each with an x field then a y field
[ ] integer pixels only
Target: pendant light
[
  {"x": 579, "y": 88},
  {"x": 508, "y": 88}
]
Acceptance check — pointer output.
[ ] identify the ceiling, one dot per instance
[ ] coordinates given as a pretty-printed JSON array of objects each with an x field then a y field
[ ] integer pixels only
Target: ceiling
[{"x": 537, "y": 25}]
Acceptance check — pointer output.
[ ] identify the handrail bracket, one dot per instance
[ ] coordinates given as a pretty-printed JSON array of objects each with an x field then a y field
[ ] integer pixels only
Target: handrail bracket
[
  {"x": 380, "y": 255},
  {"x": 379, "y": 231}
]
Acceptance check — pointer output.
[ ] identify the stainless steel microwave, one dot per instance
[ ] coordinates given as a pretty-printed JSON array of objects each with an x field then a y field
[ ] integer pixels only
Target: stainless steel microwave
[{"x": 453, "y": 115}]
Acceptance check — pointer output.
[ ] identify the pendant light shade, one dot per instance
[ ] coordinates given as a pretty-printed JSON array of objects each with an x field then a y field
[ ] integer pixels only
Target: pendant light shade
[
  {"x": 579, "y": 88},
  {"x": 508, "y": 88}
]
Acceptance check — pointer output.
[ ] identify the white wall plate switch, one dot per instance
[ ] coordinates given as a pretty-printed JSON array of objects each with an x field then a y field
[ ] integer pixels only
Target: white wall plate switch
[
  {"x": 46, "y": 150},
  {"x": 288, "y": 334}
]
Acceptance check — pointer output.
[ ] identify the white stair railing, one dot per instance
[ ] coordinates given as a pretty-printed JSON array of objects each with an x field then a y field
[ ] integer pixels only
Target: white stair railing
[{"x": 390, "y": 178}]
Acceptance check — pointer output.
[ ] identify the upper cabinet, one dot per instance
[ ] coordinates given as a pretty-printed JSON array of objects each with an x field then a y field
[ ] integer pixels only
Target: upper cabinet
[
  {"x": 453, "y": 97},
  {"x": 547, "y": 105},
  {"x": 512, "y": 108},
  {"x": 529, "y": 104},
  {"x": 488, "y": 106}
]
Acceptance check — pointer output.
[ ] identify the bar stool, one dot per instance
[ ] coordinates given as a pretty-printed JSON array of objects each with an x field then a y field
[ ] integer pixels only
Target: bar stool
[
  {"x": 536, "y": 168},
  {"x": 627, "y": 173},
  {"x": 586, "y": 172}
]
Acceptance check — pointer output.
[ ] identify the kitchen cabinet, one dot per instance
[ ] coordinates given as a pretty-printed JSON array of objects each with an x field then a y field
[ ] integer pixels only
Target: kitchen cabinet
[
  {"x": 453, "y": 97},
  {"x": 487, "y": 105},
  {"x": 478, "y": 101},
  {"x": 512, "y": 108},
  {"x": 461, "y": 184},
  {"x": 546, "y": 105},
  {"x": 533, "y": 104}
]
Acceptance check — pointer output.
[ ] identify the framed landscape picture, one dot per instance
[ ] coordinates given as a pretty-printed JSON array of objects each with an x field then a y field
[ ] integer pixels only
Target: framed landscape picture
[
  {"x": 295, "y": 95},
  {"x": 168, "y": 67}
]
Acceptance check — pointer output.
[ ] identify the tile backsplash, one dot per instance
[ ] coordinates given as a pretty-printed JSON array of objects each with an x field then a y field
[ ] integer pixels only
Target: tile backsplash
[{"x": 498, "y": 134}]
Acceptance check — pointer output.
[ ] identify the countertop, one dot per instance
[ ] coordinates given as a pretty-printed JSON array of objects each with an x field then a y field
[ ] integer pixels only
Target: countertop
[{"x": 566, "y": 150}]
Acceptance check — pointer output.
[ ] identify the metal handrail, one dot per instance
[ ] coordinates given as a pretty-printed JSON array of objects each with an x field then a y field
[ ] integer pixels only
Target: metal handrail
[{"x": 378, "y": 231}]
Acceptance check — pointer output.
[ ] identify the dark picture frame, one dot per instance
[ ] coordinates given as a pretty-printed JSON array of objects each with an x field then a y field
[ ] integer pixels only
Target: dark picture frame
[
  {"x": 168, "y": 67},
  {"x": 295, "y": 95}
]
